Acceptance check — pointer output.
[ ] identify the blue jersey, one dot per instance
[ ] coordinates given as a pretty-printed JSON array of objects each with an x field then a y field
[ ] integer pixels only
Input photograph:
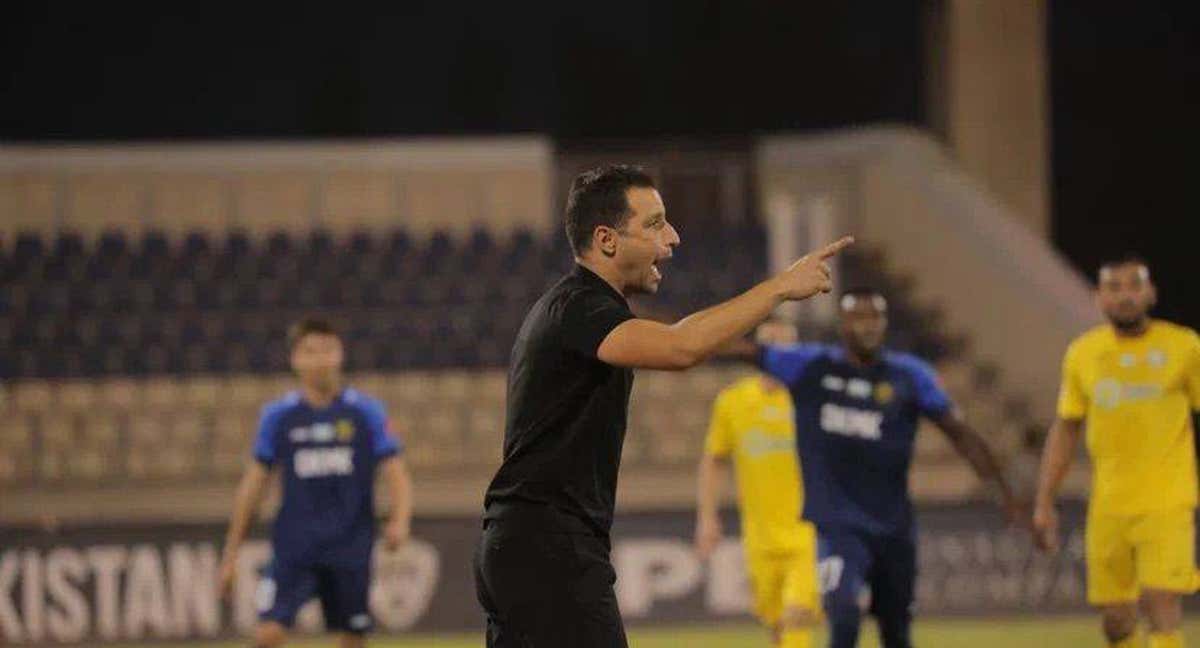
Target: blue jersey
[
  {"x": 327, "y": 458},
  {"x": 855, "y": 429}
]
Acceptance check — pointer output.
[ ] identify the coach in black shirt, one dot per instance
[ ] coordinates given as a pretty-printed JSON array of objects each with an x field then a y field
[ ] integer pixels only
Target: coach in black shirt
[{"x": 542, "y": 571}]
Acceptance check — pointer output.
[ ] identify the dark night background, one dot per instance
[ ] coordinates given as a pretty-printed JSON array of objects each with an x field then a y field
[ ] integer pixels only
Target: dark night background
[{"x": 1124, "y": 81}]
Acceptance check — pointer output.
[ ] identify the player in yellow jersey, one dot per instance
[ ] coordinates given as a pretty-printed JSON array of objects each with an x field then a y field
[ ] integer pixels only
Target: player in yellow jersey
[
  {"x": 753, "y": 424},
  {"x": 1136, "y": 383}
]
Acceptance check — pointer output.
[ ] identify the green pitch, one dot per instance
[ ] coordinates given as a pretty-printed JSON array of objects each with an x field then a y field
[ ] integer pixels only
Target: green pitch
[{"x": 1076, "y": 632}]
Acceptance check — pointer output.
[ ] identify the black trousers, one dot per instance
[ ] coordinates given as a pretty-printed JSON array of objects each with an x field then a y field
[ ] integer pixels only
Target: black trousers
[{"x": 546, "y": 589}]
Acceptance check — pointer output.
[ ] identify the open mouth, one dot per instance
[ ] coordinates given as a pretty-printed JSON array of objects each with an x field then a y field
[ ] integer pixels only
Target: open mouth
[{"x": 654, "y": 269}]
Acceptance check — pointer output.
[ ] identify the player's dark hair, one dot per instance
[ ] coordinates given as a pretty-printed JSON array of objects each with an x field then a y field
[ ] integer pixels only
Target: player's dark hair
[
  {"x": 597, "y": 197},
  {"x": 306, "y": 326},
  {"x": 1127, "y": 259}
]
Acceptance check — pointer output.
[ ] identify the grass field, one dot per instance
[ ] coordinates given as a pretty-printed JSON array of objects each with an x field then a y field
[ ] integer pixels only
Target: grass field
[{"x": 1075, "y": 632}]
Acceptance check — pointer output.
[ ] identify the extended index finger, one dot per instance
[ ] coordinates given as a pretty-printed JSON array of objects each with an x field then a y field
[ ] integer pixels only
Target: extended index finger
[{"x": 835, "y": 247}]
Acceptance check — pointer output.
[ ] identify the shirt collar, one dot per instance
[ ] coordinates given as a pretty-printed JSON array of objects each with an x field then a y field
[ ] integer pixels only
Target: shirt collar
[{"x": 594, "y": 279}]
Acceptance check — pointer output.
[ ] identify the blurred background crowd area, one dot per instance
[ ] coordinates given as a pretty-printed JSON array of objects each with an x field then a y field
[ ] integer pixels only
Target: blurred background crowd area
[
  {"x": 142, "y": 340},
  {"x": 168, "y": 206}
]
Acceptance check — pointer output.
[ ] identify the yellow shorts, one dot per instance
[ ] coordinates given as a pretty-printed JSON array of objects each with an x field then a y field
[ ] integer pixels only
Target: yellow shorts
[
  {"x": 787, "y": 579},
  {"x": 1128, "y": 553}
]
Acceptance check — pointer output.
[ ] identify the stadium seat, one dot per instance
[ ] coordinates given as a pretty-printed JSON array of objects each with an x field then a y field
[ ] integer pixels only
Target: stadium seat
[
  {"x": 232, "y": 439},
  {"x": 77, "y": 395},
  {"x": 466, "y": 291},
  {"x": 57, "y": 433},
  {"x": 429, "y": 322},
  {"x": 99, "y": 448},
  {"x": 16, "y": 449},
  {"x": 32, "y": 396}
]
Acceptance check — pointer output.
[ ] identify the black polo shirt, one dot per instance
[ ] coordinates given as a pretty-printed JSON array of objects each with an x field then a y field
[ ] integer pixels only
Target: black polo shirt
[{"x": 566, "y": 415}]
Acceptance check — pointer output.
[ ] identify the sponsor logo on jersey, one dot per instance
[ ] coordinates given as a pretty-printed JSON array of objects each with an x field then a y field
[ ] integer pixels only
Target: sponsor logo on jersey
[
  {"x": 323, "y": 462},
  {"x": 771, "y": 413},
  {"x": 757, "y": 443},
  {"x": 1110, "y": 393},
  {"x": 852, "y": 422}
]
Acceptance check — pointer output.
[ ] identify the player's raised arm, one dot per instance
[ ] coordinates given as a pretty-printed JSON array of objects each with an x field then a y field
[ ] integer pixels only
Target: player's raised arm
[{"x": 646, "y": 344}]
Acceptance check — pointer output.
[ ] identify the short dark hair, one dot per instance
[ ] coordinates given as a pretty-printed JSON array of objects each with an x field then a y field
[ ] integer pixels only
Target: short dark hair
[
  {"x": 861, "y": 292},
  {"x": 597, "y": 197},
  {"x": 309, "y": 325},
  {"x": 1129, "y": 258}
]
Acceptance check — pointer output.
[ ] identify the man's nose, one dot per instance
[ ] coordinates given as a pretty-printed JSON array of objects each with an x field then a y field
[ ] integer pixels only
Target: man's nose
[{"x": 672, "y": 235}]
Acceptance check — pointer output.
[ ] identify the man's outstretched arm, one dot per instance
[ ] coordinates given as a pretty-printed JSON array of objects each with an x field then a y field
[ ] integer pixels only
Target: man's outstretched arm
[
  {"x": 646, "y": 344},
  {"x": 968, "y": 443}
]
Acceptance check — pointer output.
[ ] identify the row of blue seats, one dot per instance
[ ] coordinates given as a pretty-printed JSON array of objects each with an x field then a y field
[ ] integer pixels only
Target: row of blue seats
[
  {"x": 25, "y": 302},
  {"x": 409, "y": 325},
  {"x": 235, "y": 321},
  {"x": 154, "y": 255},
  {"x": 239, "y": 357}
]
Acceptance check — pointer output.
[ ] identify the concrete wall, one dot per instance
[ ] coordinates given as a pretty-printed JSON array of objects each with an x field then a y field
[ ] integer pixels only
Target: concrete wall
[
  {"x": 997, "y": 281},
  {"x": 988, "y": 98},
  {"x": 421, "y": 184}
]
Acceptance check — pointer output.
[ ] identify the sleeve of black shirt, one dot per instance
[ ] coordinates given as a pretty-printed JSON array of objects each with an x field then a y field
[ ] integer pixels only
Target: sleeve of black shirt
[{"x": 588, "y": 317}]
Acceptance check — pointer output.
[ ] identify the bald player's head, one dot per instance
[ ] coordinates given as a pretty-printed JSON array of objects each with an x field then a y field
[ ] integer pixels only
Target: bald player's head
[{"x": 1125, "y": 292}]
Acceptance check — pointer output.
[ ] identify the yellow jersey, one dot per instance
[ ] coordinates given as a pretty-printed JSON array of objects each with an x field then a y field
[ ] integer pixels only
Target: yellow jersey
[
  {"x": 1136, "y": 395},
  {"x": 753, "y": 423}
]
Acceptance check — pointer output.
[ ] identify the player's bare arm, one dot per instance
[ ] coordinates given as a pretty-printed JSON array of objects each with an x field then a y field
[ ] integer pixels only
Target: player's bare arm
[
  {"x": 399, "y": 488},
  {"x": 1056, "y": 460},
  {"x": 250, "y": 493},
  {"x": 971, "y": 446},
  {"x": 645, "y": 344},
  {"x": 711, "y": 478}
]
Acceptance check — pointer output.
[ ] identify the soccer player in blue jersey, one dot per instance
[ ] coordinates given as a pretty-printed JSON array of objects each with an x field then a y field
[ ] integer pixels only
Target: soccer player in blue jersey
[
  {"x": 857, "y": 407},
  {"x": 326, "y": 441}
]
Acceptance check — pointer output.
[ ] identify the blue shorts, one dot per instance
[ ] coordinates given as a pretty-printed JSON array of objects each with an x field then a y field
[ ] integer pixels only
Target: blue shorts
[
  {"x": 342, "y": 589},
  {"x": 855, "y": 565}
]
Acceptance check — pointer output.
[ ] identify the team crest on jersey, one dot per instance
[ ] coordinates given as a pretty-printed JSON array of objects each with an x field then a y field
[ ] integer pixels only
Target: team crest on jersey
[
  {"x": 884, "y": 393},
  {"x": 345, "y": 430},
  {"x": 1156, "y": 358}
]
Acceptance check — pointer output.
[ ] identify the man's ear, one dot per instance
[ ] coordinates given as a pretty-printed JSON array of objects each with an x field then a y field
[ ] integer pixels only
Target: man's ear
[{"x": 604, "y": 239}]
